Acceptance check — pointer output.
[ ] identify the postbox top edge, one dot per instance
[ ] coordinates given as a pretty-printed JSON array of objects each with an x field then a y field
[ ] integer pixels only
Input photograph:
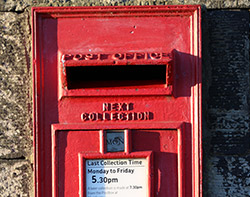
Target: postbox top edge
[{"x": 66, "y": 9}]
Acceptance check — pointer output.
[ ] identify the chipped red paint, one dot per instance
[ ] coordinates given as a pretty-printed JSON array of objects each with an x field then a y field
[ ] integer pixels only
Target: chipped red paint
[{"x": 154, "y": 100}]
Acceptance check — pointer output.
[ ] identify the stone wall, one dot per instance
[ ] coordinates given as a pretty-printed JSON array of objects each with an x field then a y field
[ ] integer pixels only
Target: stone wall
[
  {"x": 226, "y": 103},
  {"x": 16, "y": 107},
  {"x": 225, "y": 36}
]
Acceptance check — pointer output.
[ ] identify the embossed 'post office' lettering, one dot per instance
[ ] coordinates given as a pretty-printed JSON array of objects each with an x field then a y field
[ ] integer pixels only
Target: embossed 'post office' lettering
[
  {"x": 141, "y": 56},
  {"x": 116, "y": 56}
]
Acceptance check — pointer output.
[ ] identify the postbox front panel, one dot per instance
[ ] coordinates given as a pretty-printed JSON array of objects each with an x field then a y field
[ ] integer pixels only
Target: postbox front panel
[{"x": 131, "y": 74}]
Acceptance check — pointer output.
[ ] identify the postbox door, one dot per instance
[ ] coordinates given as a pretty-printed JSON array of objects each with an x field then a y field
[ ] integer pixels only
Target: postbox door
[{"x": 79, "y": 158}]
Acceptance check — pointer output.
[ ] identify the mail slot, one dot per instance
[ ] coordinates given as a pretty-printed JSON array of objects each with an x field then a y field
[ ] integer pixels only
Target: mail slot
[
  {"x": 117, "y": 101},
  {"x": 115, "y": 76}
]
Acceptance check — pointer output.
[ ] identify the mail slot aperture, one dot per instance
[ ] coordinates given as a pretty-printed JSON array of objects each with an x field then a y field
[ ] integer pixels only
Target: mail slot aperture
[{"x": 115, "y": 76}]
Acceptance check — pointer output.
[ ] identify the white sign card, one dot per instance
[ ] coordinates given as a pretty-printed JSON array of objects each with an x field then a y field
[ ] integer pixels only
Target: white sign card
[{"x": 117, "y": 177}]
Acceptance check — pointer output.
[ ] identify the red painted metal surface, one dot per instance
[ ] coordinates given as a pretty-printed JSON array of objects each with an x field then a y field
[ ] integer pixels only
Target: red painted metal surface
[{"x": 135, "y": 70}]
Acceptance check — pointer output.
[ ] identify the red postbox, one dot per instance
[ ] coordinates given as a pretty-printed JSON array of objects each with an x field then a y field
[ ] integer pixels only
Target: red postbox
[{"x": 117, "y": 99}]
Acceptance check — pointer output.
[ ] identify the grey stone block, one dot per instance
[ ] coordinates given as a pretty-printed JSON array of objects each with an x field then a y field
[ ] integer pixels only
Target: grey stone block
[
  {"x": 229, "y": 132},
  {"x": 15, "y": 178},
  {"x": 243, "y": 4},
  {"x": 227, "y": 176},
  {"x": 227, "y": 100},
  {"x": 229, "y": 50},
  {"x": 15, "y": 86},
  {"x": 13, "y": 5}
]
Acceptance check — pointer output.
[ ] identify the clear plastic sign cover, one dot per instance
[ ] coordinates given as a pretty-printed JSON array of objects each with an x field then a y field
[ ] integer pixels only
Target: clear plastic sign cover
[{"x": 117, "y": 177}]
